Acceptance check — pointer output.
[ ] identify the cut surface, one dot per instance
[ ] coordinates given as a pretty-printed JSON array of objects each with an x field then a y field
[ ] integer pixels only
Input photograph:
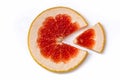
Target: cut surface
[
  {"x": 50, "y": 37},
  {"x": 45, "y": 39},
  {"x": 93, "y": 38}
]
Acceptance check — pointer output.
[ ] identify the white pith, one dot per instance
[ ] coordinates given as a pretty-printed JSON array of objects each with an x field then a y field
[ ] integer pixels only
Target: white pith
[{"x": 99, "y": 38}]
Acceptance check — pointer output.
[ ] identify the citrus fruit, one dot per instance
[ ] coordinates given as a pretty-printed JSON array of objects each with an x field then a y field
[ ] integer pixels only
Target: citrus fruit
[
  {"x": 92, "y": 38},
  {"x": 45, "y": 38}
]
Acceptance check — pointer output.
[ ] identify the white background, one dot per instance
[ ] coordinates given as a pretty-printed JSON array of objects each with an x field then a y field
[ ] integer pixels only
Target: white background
[{"x": 16, "y": 62}]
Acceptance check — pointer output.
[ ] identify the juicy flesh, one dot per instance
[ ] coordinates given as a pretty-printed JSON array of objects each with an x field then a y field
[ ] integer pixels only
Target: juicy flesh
[
  {"x": 51, "y": 35},
  {"x": 86, "y": 39}
]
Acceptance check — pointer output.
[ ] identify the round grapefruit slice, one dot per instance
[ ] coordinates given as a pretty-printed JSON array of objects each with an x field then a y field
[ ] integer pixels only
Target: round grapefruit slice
[
  {"x": 45, "y": 38},
  {"x": 93, "y": 38}
]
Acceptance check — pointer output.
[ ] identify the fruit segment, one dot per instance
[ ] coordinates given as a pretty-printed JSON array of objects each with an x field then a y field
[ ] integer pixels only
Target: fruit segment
[
  {"x": 52, "y": 32},
  {"x": 93, "y": 38},
  {"x": 86, "y": 39}
]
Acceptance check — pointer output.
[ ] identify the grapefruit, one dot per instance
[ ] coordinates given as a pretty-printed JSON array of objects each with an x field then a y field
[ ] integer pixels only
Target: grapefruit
[
  {"x": 92, "y": 38},
  {"x": 45, "y": 37}
]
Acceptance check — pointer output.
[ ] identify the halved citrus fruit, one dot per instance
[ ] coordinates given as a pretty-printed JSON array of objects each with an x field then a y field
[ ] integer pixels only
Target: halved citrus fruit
[
  {"x": 46, "y": 35},
  {"x": 93, "y": 38}
]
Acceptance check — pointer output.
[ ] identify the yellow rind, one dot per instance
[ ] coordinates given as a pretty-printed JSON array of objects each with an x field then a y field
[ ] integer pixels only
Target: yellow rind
[
  {"x": 35, "y": 58},
  {"x": 103, "y": 46}
]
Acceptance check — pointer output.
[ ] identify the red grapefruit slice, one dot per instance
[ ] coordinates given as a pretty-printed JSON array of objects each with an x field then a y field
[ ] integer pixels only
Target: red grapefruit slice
[
  {"x": 45, "y": 39},
  {"x": 93, "y": 38}
]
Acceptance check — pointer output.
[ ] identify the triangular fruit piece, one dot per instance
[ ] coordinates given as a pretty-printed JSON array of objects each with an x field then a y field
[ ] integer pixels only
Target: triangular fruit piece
[
  {"x": 93, "y": 38},
  {"x": 46, "y": 35}
]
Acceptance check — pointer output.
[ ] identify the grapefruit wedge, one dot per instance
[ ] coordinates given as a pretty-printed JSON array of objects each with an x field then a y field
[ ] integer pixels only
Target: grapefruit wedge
[
  {"x": 92, "y": 38},
  {"x": 45, "y": 38}
]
